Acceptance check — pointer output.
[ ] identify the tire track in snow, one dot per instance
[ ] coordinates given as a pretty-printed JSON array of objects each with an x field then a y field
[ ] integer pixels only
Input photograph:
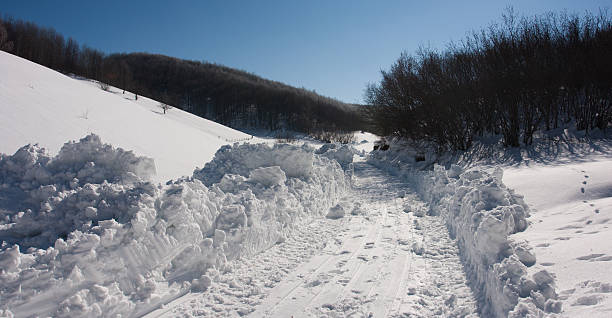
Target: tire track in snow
[
  {"x": 307, "y": 290},
  {"x": 239, "y": 290},
  {"x": 359, "y": 264},
  {"x": 303, "y": 284},
  {"x": 405, "y": 280}
]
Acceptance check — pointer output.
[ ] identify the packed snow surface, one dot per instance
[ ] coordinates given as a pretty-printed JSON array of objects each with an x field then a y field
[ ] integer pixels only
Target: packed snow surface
[{"x": 39, "y": 105}]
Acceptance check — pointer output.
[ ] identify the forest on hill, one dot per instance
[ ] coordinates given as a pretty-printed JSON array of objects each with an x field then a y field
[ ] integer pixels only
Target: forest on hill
[
  {"x": 229, "y": 96},
  {"x": 512, "y": 79}
]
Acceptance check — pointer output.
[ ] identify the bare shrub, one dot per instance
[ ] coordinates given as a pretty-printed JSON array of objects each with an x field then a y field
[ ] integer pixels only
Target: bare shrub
[
  {"x": 165, "y": 107},
  {"x": 334, "y": 136},
  {"x": 103, "y": 86},
  {"x": 285, "y": 137}
]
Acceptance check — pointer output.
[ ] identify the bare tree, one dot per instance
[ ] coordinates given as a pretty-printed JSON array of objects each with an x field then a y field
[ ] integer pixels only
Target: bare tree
[
  {"x": 165, "y": 107},
  {"x": 104, "y": 86},
  {"x": 5, "y": 44}
]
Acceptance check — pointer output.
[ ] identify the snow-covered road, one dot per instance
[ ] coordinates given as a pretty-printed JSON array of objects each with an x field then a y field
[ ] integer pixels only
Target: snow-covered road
[{"x": 378, "y": 261}]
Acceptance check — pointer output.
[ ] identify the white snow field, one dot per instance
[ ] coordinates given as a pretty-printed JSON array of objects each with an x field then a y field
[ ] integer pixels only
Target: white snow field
[
  {"x": 39, "y": 105},
  {"x": 571, "y": 230}
]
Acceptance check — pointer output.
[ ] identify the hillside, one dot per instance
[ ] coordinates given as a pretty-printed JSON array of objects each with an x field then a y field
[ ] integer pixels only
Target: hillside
[
  {"x": 39, "y": 105},
  {"x": 233, "y": 97},
  {"x": 99, "y": 239},
  {"x": 226, "y": 95}
]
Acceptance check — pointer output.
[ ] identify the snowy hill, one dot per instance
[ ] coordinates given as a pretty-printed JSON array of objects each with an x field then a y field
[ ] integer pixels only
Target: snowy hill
[
  {"x": 39, "y": 105},
  {"x": 83, "y": 233}
]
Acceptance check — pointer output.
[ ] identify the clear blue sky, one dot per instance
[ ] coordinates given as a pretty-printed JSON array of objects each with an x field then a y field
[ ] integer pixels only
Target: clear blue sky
[{"x": 334, "y": 47}]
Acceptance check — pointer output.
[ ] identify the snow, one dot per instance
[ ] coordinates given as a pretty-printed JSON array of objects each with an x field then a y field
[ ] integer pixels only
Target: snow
[
  {"x": 342, "y": 153},
  {"x": 570, "y": 230},
  {"x": 104, "y": 212},
  {"x": 39, "y": 105},
  {"x": 364, "y": 141},
  {"x": 268, "y": 176},
  {"x": 55, "y": 192},
  {"x": 482, "y": 213},
  {"x": 361, "y": 265},
  {"x": 336, "y": 212},
  {"x": 292, "y": 160},
  {"x": 85, "y": 234},
  {"x": 86, "y": 231},
  {"x": 560, "y": 258}
]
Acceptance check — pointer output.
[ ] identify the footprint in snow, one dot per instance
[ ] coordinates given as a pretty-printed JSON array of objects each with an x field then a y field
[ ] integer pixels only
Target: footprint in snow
[
  {"x": 402, "y": 242},
  {"x": 589, "y": 257},
  {"x": 363, "y": 258},
  {"x": 590, "y": 300},
  {"x": 569, "y": 227}
]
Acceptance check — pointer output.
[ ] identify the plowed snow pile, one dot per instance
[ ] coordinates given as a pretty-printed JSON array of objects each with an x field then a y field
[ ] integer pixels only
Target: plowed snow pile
[
  {"x": 85, "y": 233},
  {"x": 481, "y": 213}
]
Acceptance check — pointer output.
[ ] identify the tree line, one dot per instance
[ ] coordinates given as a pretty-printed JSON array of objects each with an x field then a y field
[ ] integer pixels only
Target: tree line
[
  {"x": 232, "y": 97},
  {"x": 511, "y": 79}
]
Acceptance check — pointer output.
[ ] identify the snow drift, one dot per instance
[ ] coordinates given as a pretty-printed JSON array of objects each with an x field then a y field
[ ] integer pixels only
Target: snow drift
[
  {"x": 86, "y": 234},
  {"x": 481, "y": 213},
  {"x": 341, "y": 153}
]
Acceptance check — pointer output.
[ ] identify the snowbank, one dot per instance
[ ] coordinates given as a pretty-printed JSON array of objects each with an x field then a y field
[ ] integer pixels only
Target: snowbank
[
  {"x": 85, "y": 234},
  {"x": 296, "y": 162},
  {"x": 45, "y": 198},
  {"x": 341, "y": 153},
  {"x": 481, "y": 213}
]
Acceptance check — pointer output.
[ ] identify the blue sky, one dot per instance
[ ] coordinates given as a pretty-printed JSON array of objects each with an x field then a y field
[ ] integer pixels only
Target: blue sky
[{"x": 332, "y": 47}]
